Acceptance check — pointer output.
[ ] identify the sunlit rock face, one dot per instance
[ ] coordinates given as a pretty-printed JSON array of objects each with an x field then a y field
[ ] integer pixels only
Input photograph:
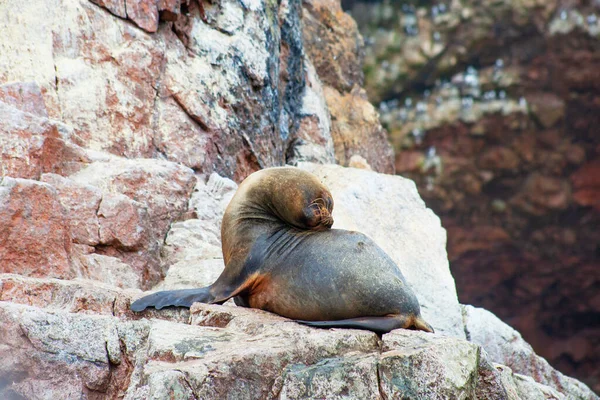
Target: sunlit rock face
[{"x": 492, "y": 108}]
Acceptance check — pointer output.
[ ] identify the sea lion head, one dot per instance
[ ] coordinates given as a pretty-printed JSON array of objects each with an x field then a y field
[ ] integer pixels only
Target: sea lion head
[{"x": 293, "y": 196}]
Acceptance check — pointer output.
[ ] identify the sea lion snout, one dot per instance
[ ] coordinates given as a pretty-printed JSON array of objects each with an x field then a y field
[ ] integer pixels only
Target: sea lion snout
[{"x": 317, "y": 215}]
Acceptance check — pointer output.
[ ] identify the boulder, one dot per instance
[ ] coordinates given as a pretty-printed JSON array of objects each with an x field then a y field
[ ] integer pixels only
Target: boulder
[{"x": 506, "y": 346}]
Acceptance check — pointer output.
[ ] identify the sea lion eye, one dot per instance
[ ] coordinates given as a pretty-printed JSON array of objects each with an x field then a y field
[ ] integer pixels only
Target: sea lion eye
[{"x": 311, "y": 215}]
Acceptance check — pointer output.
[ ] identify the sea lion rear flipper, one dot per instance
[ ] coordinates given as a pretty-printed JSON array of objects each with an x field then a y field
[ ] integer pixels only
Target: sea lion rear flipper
[
  {"x": 378, "y": 325},
  {"x": 422, "y": 325},
  {"x": 179, "y": 298}
]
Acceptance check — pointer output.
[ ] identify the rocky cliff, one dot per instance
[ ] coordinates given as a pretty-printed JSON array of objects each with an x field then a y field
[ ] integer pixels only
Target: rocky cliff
[
  {"x": 493, "y": 109},
  {"x": 124, "y": 127}
]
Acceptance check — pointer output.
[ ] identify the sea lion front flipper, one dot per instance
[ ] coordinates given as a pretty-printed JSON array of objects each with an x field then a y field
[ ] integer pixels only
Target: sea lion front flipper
[
  {"x": 178, "y": 298},
  {"x": 378, "y": 325}
]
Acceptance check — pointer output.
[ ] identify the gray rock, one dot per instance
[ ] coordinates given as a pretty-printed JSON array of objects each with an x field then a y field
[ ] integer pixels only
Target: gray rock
[{"x": 506, "y": 346}]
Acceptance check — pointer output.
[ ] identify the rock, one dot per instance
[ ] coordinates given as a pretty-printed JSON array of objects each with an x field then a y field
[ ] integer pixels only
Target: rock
[
  {"x": 586, "y": 184},
  {"x": 192, "y": 251},
  {"x": 58, "y": 354},
  {"x": 144, "y": 13},
  {"x": 105, "y": 89},
  {"x": 140, "y": 199},
  {"x": 446, "y": 366},
  {"x": 506, "y": 346},
  {"x": 192, "y": 273},
  {"x": 547, "y": 108},
  {"x": 462, "y": 241},
  {"x": 30, "y": 143},
  {"x": 81, "y": 203},
  {"x": 335, "y": 48},
  {"x": 123, "y": 222},
  {"x": 314, "y": 142},
  {"x": 34, "y": 231},
  {"x": 359, "y": 162},
  {"x": 109, "y": 270},
  {"x": 257, "y": 366},
  {"x": 204, "y": 360},
  {"x": 541, "y": 194},
  {"x": 209, "y": 201},
  {"x": 409, "y": 161},
  {"x": 24, "y": 96},
  {"x": 404, "y": 228},
  {"x": 356, "y": 130},
  {"x": 250, "y": 102},
  {"x": 24, "y": 144},
  {"x": 333, "y": 44},
  {"x": 235, "y": 350},
  {"x": 160, "y": 186},
  {"x": 66, "y": 295},
  {"x": 332, "y": 378},
  {"x": 193, "y": 239},
  {"x": 524, "y": 387},
  {"x": 117, "y": 7},
  {"x": 132, "y": 94},
  {"x": 499, "y": 158},
  {"x": 80, "y": 296}
]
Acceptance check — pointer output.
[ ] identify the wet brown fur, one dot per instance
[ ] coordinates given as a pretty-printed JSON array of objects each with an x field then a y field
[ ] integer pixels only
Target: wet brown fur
[{"x": 275, "y": 214}]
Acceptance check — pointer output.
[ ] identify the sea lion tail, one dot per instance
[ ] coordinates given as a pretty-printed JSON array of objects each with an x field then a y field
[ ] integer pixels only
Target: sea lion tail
[
  {"x": 177, "y": 298},
  {"x": 422, "y": 325}
]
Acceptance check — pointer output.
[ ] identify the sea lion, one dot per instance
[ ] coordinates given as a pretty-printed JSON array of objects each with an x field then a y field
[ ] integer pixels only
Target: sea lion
[{"x": 281, "y": 255}]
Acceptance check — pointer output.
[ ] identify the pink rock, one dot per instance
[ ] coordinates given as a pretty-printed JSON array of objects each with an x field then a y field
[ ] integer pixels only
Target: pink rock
[
  {"x": 122, "y": 221},
  {"x": 162, "y": 187},
  {"x": 62, "y": 157},
  {"x": 184, "y": 140},
  {"x": 81, "y": 203},
  {"x": 22, "y": 140},
  {"x": 25, "y": 96},
  {"x": 144, "y": 13},
  {"x": 116, "y": 7},
  {"x": 79, "y": 296},
  {"x": 34, "y": 231}
]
